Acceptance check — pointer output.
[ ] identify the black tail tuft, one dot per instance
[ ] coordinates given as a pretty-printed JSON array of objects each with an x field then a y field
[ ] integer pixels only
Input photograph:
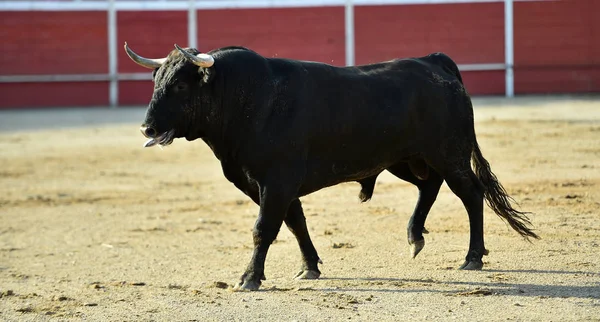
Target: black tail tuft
[{"x": 497, "y": 198}]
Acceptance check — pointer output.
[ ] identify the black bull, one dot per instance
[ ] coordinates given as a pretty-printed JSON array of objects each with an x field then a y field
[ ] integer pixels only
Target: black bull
[{"x": 284, "y": 128}]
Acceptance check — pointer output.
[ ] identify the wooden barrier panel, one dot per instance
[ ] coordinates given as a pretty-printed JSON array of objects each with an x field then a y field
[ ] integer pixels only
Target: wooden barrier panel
[
  {"x": 470, "y": 33},
  {"x": 53, "y": 42},
  {"x": 59, "y": 94},
  {"x": 315, "y": 34},
  {"x": 484, "y": 82},
  {"x": 557, "y": 46}
]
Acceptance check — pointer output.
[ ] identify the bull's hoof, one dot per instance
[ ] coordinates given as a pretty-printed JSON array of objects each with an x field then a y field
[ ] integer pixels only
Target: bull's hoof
[
  {"x": 246, "y": 286},
  {"x": 471, "y": 266},
  {"x": 416, "y": 247},
  {"x": 307, "y": 274}
]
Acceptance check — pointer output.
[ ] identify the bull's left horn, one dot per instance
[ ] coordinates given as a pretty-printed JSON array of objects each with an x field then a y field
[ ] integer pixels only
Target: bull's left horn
[
  {"x": 151, "y": 63},
  {"x": 202, "y": 60}
]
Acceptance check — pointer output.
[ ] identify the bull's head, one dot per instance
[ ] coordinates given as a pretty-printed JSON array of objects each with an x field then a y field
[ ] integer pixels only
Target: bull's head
[{"x": 178, "y": 81}]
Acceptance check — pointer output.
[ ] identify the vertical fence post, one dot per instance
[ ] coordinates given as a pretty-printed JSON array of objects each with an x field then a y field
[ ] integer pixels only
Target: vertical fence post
[
  {"x": 113, "y": 89},
  {"x": 192, "y": 25},
  {"x": 509, "y": 47},
  {"x": 349, "y": 28}
]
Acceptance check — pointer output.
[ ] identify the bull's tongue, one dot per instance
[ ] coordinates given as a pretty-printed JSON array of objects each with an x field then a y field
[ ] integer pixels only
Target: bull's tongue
[{"x": 150, "y": 143}]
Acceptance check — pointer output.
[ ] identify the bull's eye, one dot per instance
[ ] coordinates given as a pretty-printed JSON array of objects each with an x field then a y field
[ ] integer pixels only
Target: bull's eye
[{"x": 180, "y": 87}]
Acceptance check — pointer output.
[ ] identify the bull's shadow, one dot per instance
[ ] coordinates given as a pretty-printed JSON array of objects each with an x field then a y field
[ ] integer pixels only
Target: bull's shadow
[{"x": 489, "y": 288}]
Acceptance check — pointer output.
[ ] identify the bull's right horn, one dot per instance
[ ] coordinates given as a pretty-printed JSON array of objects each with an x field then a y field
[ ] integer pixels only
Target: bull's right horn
[
  {"x": 144, "y": 62},
  {"x": 202, "y": 60}
]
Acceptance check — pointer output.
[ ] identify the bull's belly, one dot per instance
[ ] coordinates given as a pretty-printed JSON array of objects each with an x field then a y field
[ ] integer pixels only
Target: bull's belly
[{"x": 320, "y": 175}]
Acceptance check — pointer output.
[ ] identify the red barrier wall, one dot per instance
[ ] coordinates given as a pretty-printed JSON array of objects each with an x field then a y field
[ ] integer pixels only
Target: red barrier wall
[
  {"x": 469, "y": 33},
  {"x": 43, "y": 43},
  {"x": 484, "y": 82},
  {"x": 385, "y": 32},
  {"x": 556, "y": 44},
  {"x": 303, "y": 33},
  {"x": 53, "y": 94},
  {"x": 35, "y": 42}
]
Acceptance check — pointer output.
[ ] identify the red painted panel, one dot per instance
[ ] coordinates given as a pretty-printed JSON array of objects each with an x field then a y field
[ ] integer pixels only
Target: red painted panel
[
  {"x": 51, "y": 42},
  {"x": 557, "y": 33},
  {"x": 315, "y": 34},
  {"x": 557, "y": 46},
  {"x": 135, "y": 92},
  {"x": 150, "y": 34},
  {"x": 19, "y": 95},
  {"x": 469, "y": 32},
  {"x": 484, "y": 82},
  {"x": 584, "y": 79},
  {"x": 595, "y": 33}
]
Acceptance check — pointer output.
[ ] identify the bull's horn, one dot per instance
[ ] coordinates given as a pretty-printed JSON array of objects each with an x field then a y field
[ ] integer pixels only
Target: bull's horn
[
  {"x": 145, "y": 62},
  {"x": 202, "y": 60}
]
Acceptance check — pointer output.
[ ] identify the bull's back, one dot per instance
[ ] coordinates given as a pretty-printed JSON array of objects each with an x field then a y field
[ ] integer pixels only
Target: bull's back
[{"x": 394, "y": 99}]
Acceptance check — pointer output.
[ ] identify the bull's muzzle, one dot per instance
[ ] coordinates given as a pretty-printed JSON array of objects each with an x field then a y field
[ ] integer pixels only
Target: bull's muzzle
[{"x": 148, "y": 131}]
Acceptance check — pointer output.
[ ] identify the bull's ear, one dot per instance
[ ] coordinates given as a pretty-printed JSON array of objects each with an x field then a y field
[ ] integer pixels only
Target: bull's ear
[{"x": 207, "y": 74}]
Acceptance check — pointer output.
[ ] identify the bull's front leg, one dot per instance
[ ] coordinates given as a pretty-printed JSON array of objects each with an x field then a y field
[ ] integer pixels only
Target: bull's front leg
[{"x": 275, "y": 199}]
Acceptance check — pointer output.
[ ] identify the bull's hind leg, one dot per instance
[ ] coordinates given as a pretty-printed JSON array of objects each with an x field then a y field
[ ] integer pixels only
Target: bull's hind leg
[
  {"x": 465, "y": 185},
  {"x": 296, "y": 222},
  {"x": 428, "y": 191}
]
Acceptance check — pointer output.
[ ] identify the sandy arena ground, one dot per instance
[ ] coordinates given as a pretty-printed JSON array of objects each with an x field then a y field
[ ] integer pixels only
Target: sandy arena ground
[{"x": 94, "y": 227}]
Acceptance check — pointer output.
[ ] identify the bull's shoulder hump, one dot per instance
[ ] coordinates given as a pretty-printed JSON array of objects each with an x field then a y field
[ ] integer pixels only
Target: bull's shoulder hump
[{"x": 229, "y": 49}]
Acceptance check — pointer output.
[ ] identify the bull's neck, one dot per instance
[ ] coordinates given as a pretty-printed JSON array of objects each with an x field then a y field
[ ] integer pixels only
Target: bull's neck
[
  {"x": 225, "y": 130},
  {"x": 234, "y": 116}
]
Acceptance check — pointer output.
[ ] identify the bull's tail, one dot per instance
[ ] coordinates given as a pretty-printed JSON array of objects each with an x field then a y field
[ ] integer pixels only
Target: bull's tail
[{"x": 497, "y": 198}]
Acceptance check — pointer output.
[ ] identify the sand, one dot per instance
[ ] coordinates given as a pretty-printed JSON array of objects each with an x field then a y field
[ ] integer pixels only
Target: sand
[{"x": 95, "y": 227}]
